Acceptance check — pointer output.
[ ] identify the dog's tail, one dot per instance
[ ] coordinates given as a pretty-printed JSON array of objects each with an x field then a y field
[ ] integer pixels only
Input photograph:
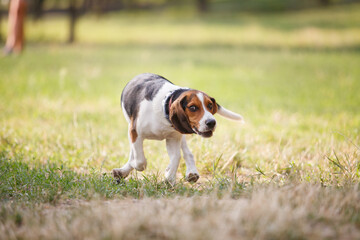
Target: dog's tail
[{"x": 229, "y": 114}]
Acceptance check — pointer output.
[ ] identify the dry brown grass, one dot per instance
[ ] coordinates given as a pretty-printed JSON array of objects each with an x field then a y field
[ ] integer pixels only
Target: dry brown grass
[
  {"x": 291, "y": 212},
  {"x": 292, "y": 172}
]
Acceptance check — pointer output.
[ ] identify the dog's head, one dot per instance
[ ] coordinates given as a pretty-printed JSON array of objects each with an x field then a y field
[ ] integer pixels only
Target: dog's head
[{"x": 192, "y": 112}]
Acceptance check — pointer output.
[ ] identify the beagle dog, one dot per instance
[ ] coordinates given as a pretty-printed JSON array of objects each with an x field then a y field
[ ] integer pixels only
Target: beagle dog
[{"x": 157, "y": 109}]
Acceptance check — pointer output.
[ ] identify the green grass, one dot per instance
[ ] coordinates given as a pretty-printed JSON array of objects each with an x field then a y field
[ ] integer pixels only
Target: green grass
[{"x": 295, "y": 77}]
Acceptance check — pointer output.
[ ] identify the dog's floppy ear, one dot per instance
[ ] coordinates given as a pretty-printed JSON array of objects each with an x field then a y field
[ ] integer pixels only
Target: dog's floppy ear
[
  {"x": 215, "y": 106},
  {"x": 178, "y": 117}
]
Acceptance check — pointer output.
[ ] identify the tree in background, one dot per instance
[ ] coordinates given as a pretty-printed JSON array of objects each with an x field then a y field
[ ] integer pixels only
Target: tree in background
[
  {"x": 73, "y": 17},
  {"x": 75, "y": 9},
  {"x": 203, "y": 5},
  {"x": 15, "y": 38}
]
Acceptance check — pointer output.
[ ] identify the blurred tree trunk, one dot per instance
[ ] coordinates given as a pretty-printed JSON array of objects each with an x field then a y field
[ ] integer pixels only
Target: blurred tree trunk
[
  {"x": 203, "y": 5},
  {"x": 37, "y": 8},
  {"x": 15, "y": 37},
  {"x": 324, "y": 2},
  {"x": 0, "y": 24},
  {"x": 73, "y": 19}
]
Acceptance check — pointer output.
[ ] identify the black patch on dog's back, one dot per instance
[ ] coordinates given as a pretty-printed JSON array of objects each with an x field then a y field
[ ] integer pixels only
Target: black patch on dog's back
[{"x": 143, "y": 86}]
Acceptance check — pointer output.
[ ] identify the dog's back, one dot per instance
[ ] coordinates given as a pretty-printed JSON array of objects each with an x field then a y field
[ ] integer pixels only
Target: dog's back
[{"x": 143, "y": 86}]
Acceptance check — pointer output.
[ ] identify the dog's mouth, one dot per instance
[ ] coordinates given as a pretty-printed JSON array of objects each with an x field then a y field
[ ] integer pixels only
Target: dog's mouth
[{"x": 205, "y": 134}]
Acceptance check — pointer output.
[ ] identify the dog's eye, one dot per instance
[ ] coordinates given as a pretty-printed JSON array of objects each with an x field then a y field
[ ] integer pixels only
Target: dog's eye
[
  {"x": 210, "y": 106},
  {"x": 193, "y": 108}
]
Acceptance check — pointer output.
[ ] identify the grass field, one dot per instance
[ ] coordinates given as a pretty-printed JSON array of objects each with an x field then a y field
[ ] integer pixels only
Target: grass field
[{"x": 291, "y": 172}]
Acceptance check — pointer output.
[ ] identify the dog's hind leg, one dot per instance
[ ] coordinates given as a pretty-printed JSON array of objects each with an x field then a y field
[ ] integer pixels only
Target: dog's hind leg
[
  {"x": 125, "y": 170},
  {"x": 173, "y": 149},
  {"x": 138, "y": 161},
  {"x": 192, "y": 174},
  {"x": 136, "y": 157}
]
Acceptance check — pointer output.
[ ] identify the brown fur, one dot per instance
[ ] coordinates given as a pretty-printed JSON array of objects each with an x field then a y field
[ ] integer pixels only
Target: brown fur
[
  {"x": 132, "y": 131},
  {"x": 207, "y": 100},
  {"x": 185, "y": 120},
  {"x": 178, "y": 117},
  {"x": 194, "y": 117}
]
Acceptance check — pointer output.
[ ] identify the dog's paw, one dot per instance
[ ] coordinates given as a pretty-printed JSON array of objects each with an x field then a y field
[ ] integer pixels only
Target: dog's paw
[
  {"x": 170, "y": 177},
  {"x": 170, "y": 182},
  {"x": 192, "y": 177},
  {"x": 118, "y": 173}
]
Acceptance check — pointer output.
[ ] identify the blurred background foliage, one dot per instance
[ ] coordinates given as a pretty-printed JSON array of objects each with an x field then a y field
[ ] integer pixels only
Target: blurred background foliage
[{"x": 75, "y": 9}]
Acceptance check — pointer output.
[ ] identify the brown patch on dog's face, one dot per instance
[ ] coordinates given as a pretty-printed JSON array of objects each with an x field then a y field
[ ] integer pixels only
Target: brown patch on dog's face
[
  {"x": 177, "y": 115},
  {"x": 210, "y": 104},
  {"x": 194, "y": 109}
]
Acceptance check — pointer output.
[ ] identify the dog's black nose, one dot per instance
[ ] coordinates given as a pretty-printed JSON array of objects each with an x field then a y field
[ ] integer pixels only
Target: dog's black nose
[{"x": 210, "y": 123}]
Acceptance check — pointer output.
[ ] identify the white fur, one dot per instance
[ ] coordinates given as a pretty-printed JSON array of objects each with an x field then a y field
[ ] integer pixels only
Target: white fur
[
  {"x": 152, "y": 124},
  {"x": 207, "y": 115},
  {"x": 229, "y": 114}
]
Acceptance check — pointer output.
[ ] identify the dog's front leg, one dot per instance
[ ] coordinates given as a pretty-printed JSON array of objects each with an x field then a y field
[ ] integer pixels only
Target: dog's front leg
[
  {"x": 173, "y": 149},
  {"x": 192, "y": 174}
]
